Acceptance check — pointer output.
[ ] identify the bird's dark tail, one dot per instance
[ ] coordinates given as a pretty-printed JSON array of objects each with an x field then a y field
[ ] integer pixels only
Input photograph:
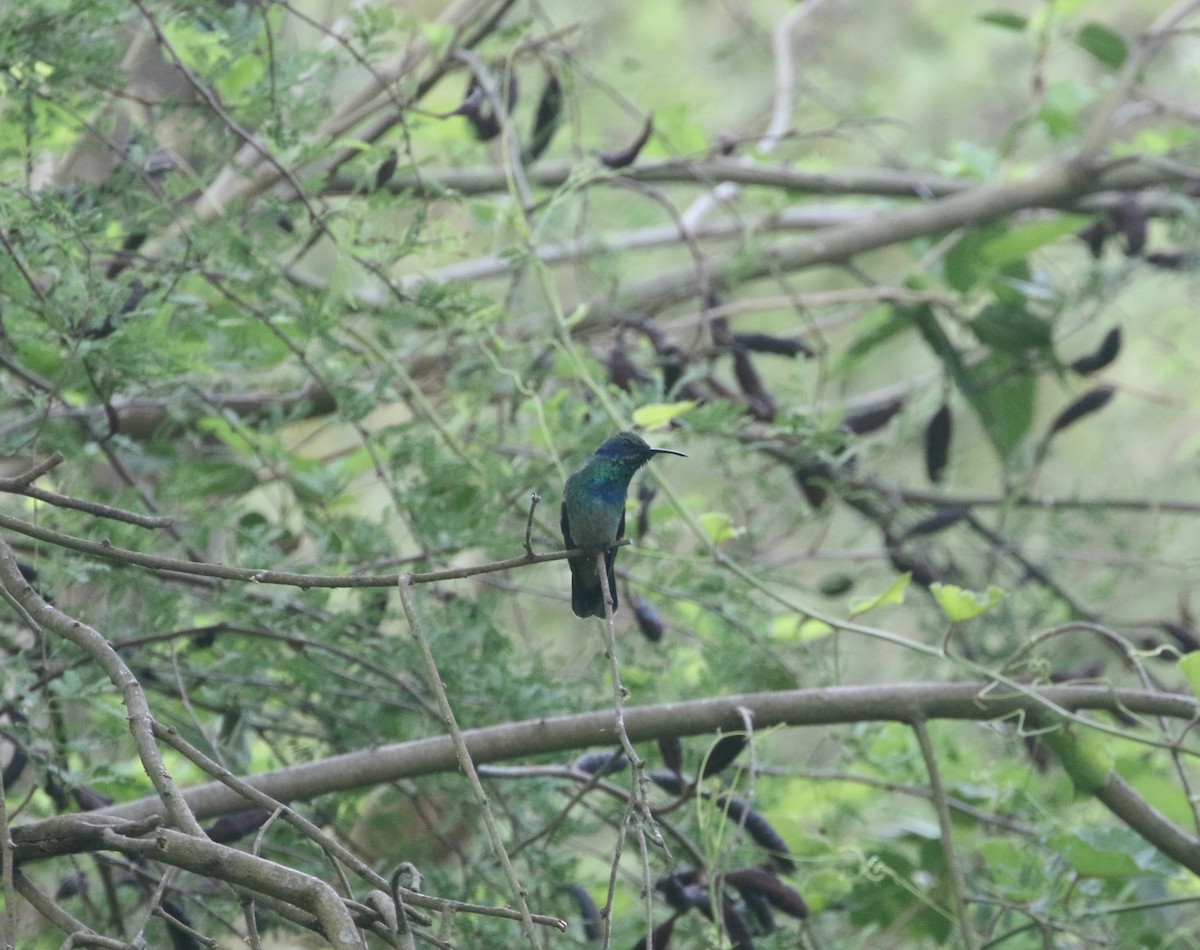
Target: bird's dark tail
[{"x": 587, "y": 595}]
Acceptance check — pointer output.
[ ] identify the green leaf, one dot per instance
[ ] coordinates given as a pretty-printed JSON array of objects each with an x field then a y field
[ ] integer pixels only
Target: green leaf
[
  {"x": 1189, "y": 666},
  {"x": 964, "y": 266},
  {"x": 960, "y": 604},
  {"x": 1089, "y": 861},
  {"x": 658, "y": 414},
  {"x": 1062, "y": 106},
  {"x": 1019, "y": 242},
  {"x": 1004, "y": 20},
  {"x": 794, "y": 628},
  {"x": 877, "y": 327},
  {"x": 893, "y": 595},
  {"x": 1006, "y": 408},
  {"x": 1102, "y": 43},
  {"x": 1007, "y": 326},
  {"x": 935, "y": 337},
  {"x": 719, "y": 526}
]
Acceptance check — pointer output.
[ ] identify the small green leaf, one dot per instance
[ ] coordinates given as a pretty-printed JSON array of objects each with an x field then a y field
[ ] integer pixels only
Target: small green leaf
[
  {"x": 1005, "y": 326},
  {"x": 1018, "y": 243},
  {"x": 893, "y": 595},
  {"x": 1189, "y": 666},
  {"x": 960, "y": 604},
  {"x": 794, "y": 628},
  {"x": 1098, "y": 859},
  {"x": 1005, "y": 20},
  {"x": 658, "y": 414},
  {"x": 875, "y": 328},
  {"x": 1108, "y": 47},
  {"x": 1006, "y": 406},
  {"x": 964, "y": 266},
  {"x": 719, "y": 526}
]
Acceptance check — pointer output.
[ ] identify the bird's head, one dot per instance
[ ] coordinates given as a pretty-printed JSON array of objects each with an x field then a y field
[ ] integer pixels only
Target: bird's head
[{"x": 631, "y": 448}]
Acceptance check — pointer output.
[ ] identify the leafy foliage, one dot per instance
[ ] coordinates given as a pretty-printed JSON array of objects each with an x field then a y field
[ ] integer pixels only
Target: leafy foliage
[{"x": 304, "y": 319}]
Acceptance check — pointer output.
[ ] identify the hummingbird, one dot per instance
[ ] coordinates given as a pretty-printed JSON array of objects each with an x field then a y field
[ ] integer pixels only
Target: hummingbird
[{"x": 593, "y": 515}]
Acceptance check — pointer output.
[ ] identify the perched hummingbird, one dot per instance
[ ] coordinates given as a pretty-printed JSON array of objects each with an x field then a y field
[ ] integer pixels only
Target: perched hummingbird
[{"x": 593, "y": 516}]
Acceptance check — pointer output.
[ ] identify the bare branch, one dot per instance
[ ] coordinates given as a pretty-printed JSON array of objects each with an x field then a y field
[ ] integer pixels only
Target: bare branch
[{"x": 542, "y": 736}]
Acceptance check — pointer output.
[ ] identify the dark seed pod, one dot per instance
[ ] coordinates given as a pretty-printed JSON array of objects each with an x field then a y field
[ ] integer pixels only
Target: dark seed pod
[
  {"x": 814, "y": 480},
  {"x": 761, "y": 831},
  {"x": 601, "y": 763},
  {"x": 790, "y": 347},
  {"x": 386, "y": 169},
  {"x": 671, "y": 358},
  {"x": 761, "y": 403},
  {"x": 874, "y": 418},
  {"x": 736, "y": 928},
  {"x": 723, "y": 752},
  {"x": 15, "y": 767},
  {"x": 760, "y": 909},
  {"x": 1182, "y": 635},
  {"x": 1130, "y": 218},
  {"x": 682, "y": 893},
  {"x": 237, "y": 825},
  {"x": 836, "y": 584},
  {"x": 623, "y": 372},
  {"x": 660, "y": 938},
  {"x": 1109, "y": 347},
  {"x": 1095, "y": 234},
  {"x": 937, "y": 443},
  {"x": 671, "y": 750},
  {"x": 907, "y": 563},
  {"x": 547, "y": 119},
  {"x": 1092, "y": 401},
  {"x": 182, "y": 937},
  {"x": 669, "y": 782},
  {"x": 940, "y": 520},
  {"x": 589, "y": 913},
  {"x": 1167, "y": 260},
  {"x": 472, "y": 101},
  {"x": 626, "y": 156},
  {"x": 759, "y": 881},
  {"x": 72, "y": 885},
  {"x": 88, "y": 799},
  {"x": 649, "y": 620},
  {"x": 480, "y": 113}
]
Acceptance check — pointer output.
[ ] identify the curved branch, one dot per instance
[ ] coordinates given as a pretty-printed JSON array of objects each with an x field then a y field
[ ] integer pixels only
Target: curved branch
[
  {"x": 804, "y": 707},
  {"x": 73, "y": 834},
  {"x": 1056, "y": 187},
  {"x": 43, "y": 616},
  {"x": 476, "y": 180}
]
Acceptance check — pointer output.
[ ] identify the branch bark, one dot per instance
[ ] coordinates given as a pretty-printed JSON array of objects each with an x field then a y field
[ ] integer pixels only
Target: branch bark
[
  {"x": 805, "y": 707},
  {"x": 1056, "y": 187}
]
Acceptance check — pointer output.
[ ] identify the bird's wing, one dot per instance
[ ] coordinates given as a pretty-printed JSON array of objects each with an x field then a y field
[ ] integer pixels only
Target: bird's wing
[
  {"x": 621, "y": 526},
  {"x": 566, "y": 528}
]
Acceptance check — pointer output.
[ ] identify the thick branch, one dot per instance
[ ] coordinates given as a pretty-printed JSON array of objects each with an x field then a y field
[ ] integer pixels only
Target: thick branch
[
  {"x": 1058, "y": 186},
  {"x": 73, "y": 834},
  {"x": 805, "y": 707}
]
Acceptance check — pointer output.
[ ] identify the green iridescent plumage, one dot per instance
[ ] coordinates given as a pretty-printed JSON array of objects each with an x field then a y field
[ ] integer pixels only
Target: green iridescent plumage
[{"x": 593, "y": 516}]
